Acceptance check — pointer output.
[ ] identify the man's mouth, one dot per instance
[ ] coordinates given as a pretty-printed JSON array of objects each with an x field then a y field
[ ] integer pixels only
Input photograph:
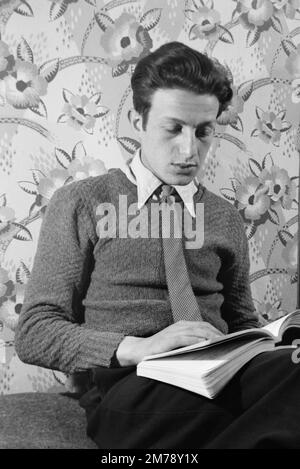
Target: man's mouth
[{"x": 184, "y": 165}]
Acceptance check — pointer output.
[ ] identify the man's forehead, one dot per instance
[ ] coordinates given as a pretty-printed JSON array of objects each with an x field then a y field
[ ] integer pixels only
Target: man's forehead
[
  {"x": 182, "y": 105},
  {"x": 176, "y": 120}
]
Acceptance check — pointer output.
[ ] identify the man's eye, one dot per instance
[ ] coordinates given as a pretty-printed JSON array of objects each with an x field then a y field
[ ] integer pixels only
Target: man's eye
[
  {"x": 206, "y": 132},
  {"x": 175, "y": 130}
]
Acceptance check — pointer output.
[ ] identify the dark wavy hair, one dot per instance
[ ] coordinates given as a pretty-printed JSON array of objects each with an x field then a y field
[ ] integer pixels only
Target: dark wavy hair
[{"x": 175, "y": 65}]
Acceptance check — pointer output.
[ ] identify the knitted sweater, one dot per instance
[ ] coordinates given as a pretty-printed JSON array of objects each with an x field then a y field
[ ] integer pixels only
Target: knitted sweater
[{"x": 86, "y": 293}]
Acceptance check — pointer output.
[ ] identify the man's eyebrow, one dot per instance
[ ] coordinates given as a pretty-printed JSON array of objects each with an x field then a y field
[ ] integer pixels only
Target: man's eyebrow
[{"x": 179, "y": 121}]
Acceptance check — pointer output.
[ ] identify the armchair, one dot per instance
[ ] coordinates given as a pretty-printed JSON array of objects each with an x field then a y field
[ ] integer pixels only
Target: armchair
[{"x": 42, "y": 421}]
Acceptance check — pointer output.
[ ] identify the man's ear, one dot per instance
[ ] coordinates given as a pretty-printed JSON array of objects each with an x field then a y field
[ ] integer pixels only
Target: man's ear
[{"x": 136, "y": 120}]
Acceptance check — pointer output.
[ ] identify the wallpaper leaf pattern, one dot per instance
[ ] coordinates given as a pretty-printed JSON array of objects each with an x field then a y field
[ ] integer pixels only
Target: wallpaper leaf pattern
[{"x": 65, "y": 68}]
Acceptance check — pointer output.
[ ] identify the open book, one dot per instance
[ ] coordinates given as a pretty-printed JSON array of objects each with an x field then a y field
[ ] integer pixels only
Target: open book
[{"x": 206, "y": 367}]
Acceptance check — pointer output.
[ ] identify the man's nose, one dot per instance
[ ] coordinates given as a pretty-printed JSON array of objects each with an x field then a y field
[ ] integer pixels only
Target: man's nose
[{"x": 188, "y": 143}]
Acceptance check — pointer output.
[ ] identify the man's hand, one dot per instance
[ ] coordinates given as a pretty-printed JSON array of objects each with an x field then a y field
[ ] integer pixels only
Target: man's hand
[{"x": 132, "y": 350}]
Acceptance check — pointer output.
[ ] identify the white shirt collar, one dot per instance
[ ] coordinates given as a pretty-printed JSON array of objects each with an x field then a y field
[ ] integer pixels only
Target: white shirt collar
[{"x": 147, "y": 183}]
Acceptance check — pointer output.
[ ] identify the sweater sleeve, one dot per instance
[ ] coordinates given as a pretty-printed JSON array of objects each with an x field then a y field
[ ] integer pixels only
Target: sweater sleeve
[
  {"x": 238, "y": 309},
  {"x": 51, "y": 331}
]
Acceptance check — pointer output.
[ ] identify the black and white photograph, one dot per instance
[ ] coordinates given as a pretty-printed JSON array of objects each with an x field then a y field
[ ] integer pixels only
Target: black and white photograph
[{"x": 149, "y": 214}]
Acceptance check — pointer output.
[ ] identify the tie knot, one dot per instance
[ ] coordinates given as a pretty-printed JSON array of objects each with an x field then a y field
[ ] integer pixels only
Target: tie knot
[{"x": 166, "y": 191}]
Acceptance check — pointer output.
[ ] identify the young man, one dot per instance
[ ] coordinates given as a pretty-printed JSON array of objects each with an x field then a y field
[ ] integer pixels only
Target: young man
[{"x": 101, "y": 303}]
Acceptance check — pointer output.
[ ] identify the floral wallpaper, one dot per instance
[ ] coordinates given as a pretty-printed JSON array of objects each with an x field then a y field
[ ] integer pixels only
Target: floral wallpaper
[{"x": 65, "y": 68}]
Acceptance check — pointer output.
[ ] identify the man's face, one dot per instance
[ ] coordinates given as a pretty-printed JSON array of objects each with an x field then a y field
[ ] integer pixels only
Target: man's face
[{"x": 178, "y": 134}]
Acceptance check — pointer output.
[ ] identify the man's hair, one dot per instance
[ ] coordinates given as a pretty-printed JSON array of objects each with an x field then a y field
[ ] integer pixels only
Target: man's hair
[{"x": 175, "y": 65}]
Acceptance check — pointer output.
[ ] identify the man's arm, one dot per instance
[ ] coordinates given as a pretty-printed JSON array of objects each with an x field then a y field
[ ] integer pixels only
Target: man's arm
[
  {"x": 238, "y": 309},
  {"x": 49, "y": 332}
]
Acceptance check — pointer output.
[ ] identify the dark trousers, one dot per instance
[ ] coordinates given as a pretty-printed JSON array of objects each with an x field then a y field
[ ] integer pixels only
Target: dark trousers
[{"x": 259, "y": 408}]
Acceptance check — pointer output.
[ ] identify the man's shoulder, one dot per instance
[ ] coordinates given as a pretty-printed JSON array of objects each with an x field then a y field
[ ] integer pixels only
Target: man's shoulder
[
  {"x": 89, "y": 186},
  {"x": 218, "y": 201},
  {"x": 221, "y": 207}
]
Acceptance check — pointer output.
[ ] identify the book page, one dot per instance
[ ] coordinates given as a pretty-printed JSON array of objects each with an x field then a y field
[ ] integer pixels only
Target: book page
[
  {"x": 276, "y": 328},
  {"x": 252, "y": 334},
  {"x": 211, "y": 357},
  {"x": 205, "y": 371}
]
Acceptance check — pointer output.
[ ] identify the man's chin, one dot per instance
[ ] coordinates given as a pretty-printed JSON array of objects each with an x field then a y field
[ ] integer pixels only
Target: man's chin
[
  {"x": 182, "y": 179},
  {"x": 177, "y": 178}
]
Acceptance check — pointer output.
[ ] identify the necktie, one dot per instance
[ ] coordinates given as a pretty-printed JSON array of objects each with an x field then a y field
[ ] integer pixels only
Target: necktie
[{"x": 183, "y": 301}]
